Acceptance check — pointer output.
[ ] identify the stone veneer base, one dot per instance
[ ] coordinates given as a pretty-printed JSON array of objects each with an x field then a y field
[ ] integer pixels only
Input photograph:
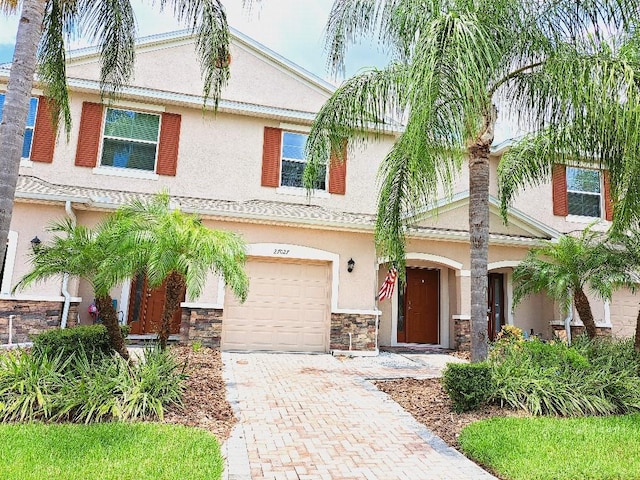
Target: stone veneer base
[
  {"x": 31, "y": 318},
  {"x": 362, "y": 328},
  {"x": 205, "y": 325},
  {"x": 201, "y": 325}
]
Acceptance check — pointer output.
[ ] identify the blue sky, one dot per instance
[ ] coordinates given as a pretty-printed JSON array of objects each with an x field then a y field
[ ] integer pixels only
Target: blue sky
[{"x": 292, "y": 28}]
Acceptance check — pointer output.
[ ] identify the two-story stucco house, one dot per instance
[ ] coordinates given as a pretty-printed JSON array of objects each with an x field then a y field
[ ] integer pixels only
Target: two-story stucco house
[{"x": 312, "y": 265}]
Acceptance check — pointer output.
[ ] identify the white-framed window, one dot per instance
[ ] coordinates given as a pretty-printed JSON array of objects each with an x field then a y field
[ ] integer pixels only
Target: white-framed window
[
  {"x": 584, "y": 192},
  {"x": 29, "y": 127},
  {"x": 293, "y": 162},
  {"x": 130, "y": 139}
]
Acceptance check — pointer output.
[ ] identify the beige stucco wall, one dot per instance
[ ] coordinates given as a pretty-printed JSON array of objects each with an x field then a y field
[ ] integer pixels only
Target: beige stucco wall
[
  {"x": 624, "y": 313},
  {"x": 220, "y": 157},
  {"x": 253, "y": 78},
  {"x": 356, "y": 289},
  {"x": 30, "y": 220}
]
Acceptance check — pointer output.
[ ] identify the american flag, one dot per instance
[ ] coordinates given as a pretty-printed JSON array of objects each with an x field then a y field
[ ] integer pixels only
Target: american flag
[{"x": 386, "y": 290}]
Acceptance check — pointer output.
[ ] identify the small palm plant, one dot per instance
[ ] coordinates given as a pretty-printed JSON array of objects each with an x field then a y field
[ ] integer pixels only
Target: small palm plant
[
  {"x": 91, "y": 254},
  {"x": 563, "y": 270},
  {"x": 173, "y": 246}
]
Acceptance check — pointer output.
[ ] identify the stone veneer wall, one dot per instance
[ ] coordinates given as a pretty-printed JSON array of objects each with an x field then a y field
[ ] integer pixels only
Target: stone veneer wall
[
  {"x": 201, "y": 325},
  {"x": 361, "y": 327},
  {"x": 31, "y": 318},
  {"x": 579, "y": 329},
  {"x": 462, "y": 334}
]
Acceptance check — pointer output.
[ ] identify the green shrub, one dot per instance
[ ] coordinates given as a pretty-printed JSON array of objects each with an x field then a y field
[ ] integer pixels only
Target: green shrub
[
  {"x": 554, "y": 379},
  {"x": 469, "y": 385},
  {"x": 29, "y": 385},
  {"x": 92, "y": 339},
  {"x": 80, "y": 389}
]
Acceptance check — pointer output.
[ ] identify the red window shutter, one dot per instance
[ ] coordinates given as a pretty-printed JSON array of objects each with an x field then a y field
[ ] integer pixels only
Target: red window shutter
[
  {"x": 169, "y": 141},
  {"x": 271, "y": 149},
  {"x": 608, "y": 203},
  {"x": 338, "y": 172},
  {"x": 44, "y": 135},
  {"x": 559, "y": 182},
  {"x": 90, "y": 135}
]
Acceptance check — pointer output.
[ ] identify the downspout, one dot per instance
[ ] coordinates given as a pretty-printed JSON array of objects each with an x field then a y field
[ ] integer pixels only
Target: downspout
[
  {"x": 567, "y": 323},
  {"x": 65, "y": 278}
]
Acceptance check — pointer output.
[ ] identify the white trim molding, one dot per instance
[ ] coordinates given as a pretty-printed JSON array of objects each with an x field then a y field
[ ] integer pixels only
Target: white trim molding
[
  {"x": 355, "y": 353},
  {"x": 503, "y": 264},
  {"x": 298, "y": 252},
  {"x": 9, "y": 263},
  {"x": 39, "y": 298},
  {"x": 461, "y": 317},
  {"x": 355, "y": 311},
  {"x": 217, "y": 306},
  {"x": 463, "y": 273},
  {"x": 428, "y": 257}
]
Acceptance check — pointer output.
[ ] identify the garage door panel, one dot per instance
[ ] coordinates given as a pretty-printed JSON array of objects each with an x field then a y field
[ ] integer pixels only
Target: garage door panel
[{"x": 287, "y": 308}]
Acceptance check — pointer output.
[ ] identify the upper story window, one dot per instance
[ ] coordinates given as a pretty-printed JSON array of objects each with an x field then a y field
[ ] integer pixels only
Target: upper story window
[
  {"x": 293, "y": 162},
  {"x": 584, "y": 192},
  {"x": 31, "y": 123},
  {"x": 130, "y": 139}
]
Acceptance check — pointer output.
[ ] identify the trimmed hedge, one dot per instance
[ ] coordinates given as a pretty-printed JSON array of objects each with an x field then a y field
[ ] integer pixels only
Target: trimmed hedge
[
  {"x": 92, "y": 339},
  {"x": 469, "y": 385}
]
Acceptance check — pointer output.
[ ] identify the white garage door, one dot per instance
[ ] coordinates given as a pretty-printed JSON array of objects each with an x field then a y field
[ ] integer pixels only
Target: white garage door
[
  {"x": 624, "y": 313},
  {"x": 287, "y": 308}
]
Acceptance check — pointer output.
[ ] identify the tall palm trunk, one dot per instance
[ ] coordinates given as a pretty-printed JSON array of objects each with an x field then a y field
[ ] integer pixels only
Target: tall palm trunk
[
  {"x": 110, "y": 319},
  {"x": 16, "y": 108},
  {"x": 479, "y": 170},
  {"x": 584, "y": 311},
  {"x": 175, "y": 290},
  {"x": 636, "y": 342}
]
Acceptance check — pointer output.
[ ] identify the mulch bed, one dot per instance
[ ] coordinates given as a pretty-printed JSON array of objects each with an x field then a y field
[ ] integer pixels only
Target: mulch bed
[
  {"x": 205, "y": 401},
  {"x": 427, "y": 401}
]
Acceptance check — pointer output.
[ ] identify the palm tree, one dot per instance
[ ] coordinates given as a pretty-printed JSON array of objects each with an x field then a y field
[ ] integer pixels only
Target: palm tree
[
  {"x": 79, "y": 251},
  {"x": 177, "y": 248},
  {"x": 454, "y": 63},
  {"x": 40, "y": 42},
  {"x": 564, "y": 269}
]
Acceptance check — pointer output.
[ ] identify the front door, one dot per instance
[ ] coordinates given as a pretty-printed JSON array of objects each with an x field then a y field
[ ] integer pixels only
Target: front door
[
  {"x": 145, "y": 308},
  {"x": 495, "y": 309},
  {"x": 421, "y": 307}
]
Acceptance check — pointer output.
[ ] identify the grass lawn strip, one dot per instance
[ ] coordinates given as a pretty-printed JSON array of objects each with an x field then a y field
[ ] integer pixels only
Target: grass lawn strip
[
  {"x": 598, "y": 448},
  {"x": 108, "y": 451}
]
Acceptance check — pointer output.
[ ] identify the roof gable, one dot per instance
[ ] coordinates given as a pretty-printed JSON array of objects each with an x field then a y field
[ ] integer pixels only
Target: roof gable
[
  {"x": 259, "y": 76},
  {"x": 453, "y": 214}
]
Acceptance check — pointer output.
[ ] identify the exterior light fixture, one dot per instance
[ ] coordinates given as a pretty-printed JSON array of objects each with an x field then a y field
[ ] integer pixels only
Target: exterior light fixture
[
  {"x": 35, "y": 243},
  {"x": 351, "y": 265}
]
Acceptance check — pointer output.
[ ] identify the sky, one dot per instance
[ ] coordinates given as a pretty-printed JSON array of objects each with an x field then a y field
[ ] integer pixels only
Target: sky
[{"x": 292, "y": 28}]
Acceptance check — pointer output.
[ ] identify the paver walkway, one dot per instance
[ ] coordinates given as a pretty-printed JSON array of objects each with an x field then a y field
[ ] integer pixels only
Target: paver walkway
[{"x": 316, "y": 417}]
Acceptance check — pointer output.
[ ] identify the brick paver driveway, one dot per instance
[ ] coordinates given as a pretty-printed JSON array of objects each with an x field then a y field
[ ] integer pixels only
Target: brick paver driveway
[{"x": 316, "y": 417}]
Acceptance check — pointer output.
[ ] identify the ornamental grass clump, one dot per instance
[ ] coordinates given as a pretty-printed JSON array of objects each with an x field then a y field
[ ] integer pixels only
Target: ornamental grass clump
[
  {"x": 85, "y": 388},
  {"x": 551, "y": 378}
]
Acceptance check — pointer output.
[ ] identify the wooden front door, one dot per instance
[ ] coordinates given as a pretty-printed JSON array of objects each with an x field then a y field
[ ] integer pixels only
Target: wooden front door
[
  {"x": 495, "y": 310},
  {"x": 421, "y": 309},
  {"x": 145, "y": 308}
]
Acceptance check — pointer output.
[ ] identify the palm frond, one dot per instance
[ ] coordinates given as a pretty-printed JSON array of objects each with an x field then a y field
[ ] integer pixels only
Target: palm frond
[
  {"x": 112, "y": 24},
  {"x": 52, "y": 63},
  {"x": 208, "y": 20}
]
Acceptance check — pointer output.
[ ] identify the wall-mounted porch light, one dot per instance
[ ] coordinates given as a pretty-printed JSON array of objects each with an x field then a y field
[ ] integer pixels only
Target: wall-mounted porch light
[
  {"x": 351, "y": 265},
  {"x": 35, "y": 243}
]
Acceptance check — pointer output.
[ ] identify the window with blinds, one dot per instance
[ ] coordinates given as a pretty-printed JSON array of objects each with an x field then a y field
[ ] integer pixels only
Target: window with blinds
[
  {"x": 130, "y": 139},
  {"x": 29, "y": 127}
]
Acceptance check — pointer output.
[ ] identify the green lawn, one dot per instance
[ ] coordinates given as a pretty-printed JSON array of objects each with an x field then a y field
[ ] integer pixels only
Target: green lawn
[
  {"x": 107, "y": 451},
  {"x": 597, "y": 448}
]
